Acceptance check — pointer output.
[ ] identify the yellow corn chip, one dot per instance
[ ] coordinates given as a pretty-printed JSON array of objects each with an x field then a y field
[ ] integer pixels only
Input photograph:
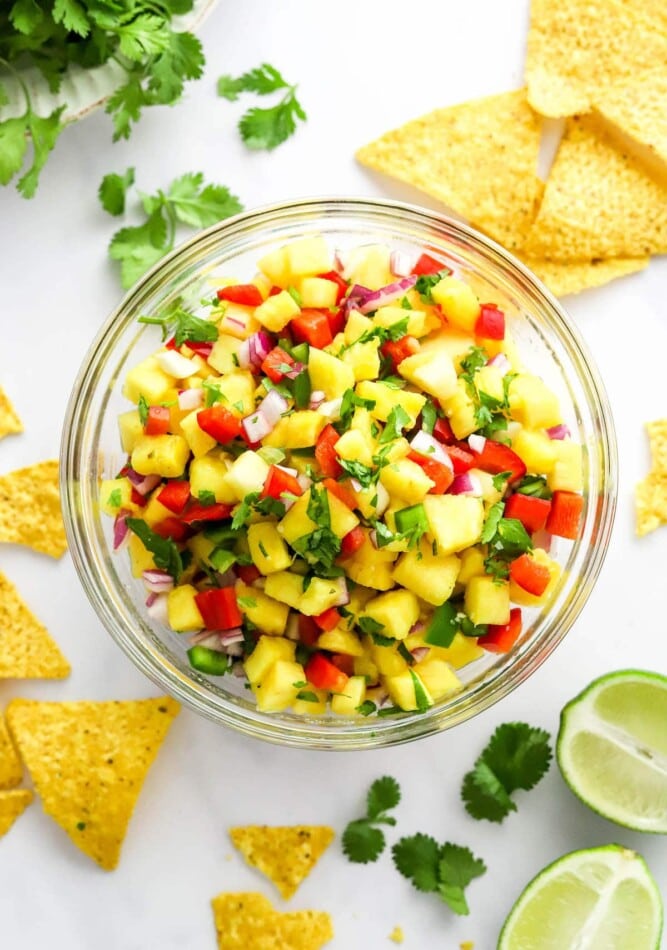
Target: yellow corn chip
[
  {"x": 651, "y": 503},
  {"x": 30, "y": 509},
  {"x": 27, "y": 649},
  {"x": 12, "y": 806},
  {"x": 9, "y": 420},
  {"x": 11, "y": 772},
  {"x": 479, "y": 158},
  {"x": 570, "y": 277},
  {"x": 657, "y": 434},
  {"x": 653, "y": 10},
  {"x": 598, "y": 202},
  {"x": 578, "y": 49},
  {"x": 247, "y": 921},
  {"x": 88, "y": 761},
  {"x": 286, "y": 855}
]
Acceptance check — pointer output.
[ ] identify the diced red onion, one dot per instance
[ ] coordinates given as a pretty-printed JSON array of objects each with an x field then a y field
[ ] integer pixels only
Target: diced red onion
[
  {"x": 158, "y": 609},
  {"x": 295, "y": 370},
  {"x": 356, "y": 296},
  {"x": 254, "y": 350},
  {"x": 500, "y": 362},
  {"x": 401, "y": 263},
  {"x": 150, "y": 600},
  {"x": 243, "y": 355},
  {"x": 343, "y": 595},
  {"x": 427, "y": 445},
  {"x": 228, "y": 637},
  {"x": 226, "y": 579},
  {"x": 373, "y": 536},
  {"x": 317, "y": 397},
  {"x": 340, "y": 260},
  {"x": 235, "y": 320},
  {"x": 273, "y": 406},
  {"x": 387, "y": 295},
  {"x": 205, "y": 638},
  {"x": 289, "y": 471},
  {"x": 419, "y": 653},
  {"x": 559, "y": 432},
  {"x": 174, "y": 364},
  {"x": 238, "y": 671},
  {"x": 477, "y": 443},
  {"x": 190, "y": 398},
  {"x": 356, "y": 485},
  {"x": 143, "y": 483},
  {"x": 256, "y": 426},
  {"x": 331, "y": 408},
  {"x": 417, "y": 627},
  {"x": 466, "y": 484},
  {"x": 382, "y": 499},
  {"x": 304, "y": 482},
  {"x": 120, "y": 528},
  {"x": 292, "y": 628},
  {"x": 234, "y": 649},
  {"x": 158, "y": 582}
]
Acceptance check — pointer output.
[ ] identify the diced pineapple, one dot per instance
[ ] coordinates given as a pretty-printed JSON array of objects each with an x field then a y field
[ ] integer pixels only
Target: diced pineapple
[
  {"x": 287, "y": 587},
  {"x": 387, "y": 660},
  {"x": 388, "y": 316},
  {"x": 269, "y": 650},
  {"x": 460, "y": 410},
  {"x": 202, "y": 548},
  {"x": 329, "y": 374},
  {"x": 357, "y": 324},
  {"x": 209, "y": 474},
  {"x": 362, "y": 421},
  {"x": 165, "y": 455},
  {"x": 567, "y": 473},
  {"x": 140, "y": 558},
  {"x": 247, "y": 474},
  {"x": 354, "y": 447},
  {"x": 297, "y": 523},
  {"x": 449, "y": 342},
  {"x": 386, "y": 399},
  {"x": 277, "y": 691},
  {"x": 131, "y": 429},
  {"x": 461, "y": 651},
  {"x": 487, "y": 600},
  {"x": 268, "y": 614},
  {"x": 432, "y": 372},
  {"x": 237, "y": 390},
  {"x": 490, "y": 493},
  {"x": 363, "y": 359},
  {"x": 276, "y": 267},
  {"x": 115, "y": 493},
  {"x": 457, "y": 301},
  {"x": 369, "y": 266},
  {"x": 199, "y": 442},
  {"x": 154, "y": 511},
  {"x": 346, "y": 704},
  {"x": 340, "y": 640},
  {"x": 489, "y": 380},
  {"x": 520, "y": 596},
  {"x": 455, "y": 521},
  {"x": 277, "y": 311},
  {"x": 532, "y": 403},
  {"x": 364, "y": 666},
  {"x": 263, "y": 284},
  {"x": 316, "y": 292},
  {"x": 182, "y": 609},
  {"x": 535, "y": 449},
  {"x": 313, "y": 702},
  {"x": 308, "y": 256},
  {"x": 238, "y": 321},
  {"x": 399, "y": 545},
  {"x": 431, "y": 577},
  {"x": 267, "y": 548},
  {"x": 299, "y": 430},
  {"x": 358, "y": 600},
  {"x": 370, "y": 567},
  {"x": 407, "y": 480},
  {"x": 148, "y": 380},
  {"x": 397, "y": 611},
  {"x": 471, "y": 564},
  {"x": 438, "y": 677},
  {"x": 403, "y": 690},
  {"x": 372, "y": 500}
]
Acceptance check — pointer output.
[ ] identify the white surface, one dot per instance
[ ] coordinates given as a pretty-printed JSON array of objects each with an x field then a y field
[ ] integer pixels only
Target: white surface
[{"x": 363, "y": 67}]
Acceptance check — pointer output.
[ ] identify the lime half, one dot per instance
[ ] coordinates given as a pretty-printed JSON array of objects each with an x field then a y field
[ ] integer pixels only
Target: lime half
[
  {"x": 612, "y": 748},
  {"x": 599, "y": 899}
]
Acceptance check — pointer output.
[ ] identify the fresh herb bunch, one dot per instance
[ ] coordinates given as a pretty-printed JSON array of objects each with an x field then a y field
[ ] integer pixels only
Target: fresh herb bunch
[
  {"x": 137, "y": 35},
  {"x": 264, "y": 128}
]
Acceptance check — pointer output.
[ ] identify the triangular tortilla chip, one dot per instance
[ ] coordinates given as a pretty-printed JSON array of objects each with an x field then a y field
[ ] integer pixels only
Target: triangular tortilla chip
[
  {"x": 12, "y": 806},
  {"x": 653, "y": 10},
  {"x": 88, "y": 761},
  {"x": 578, "y": 49},
  {"x": 247, "y": 921},
  {"x": 657, "y": 434},
  {"x": 11, "y": 771},
  {"x": 30, "y": 509},
  {"x": 27, "y": 649},
  {"x": 286, "y": 855},
  {"x": 9, "y": 420},
  {"x": 570, "y": 277},
  {"x": 598, "y": 202},
  {"x": 651, "y": 503},
  {"x": 479, "y": 158}
]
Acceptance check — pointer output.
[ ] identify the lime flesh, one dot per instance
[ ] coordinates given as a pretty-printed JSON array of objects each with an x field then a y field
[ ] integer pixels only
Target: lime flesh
[{"x": 598, "y": 899}]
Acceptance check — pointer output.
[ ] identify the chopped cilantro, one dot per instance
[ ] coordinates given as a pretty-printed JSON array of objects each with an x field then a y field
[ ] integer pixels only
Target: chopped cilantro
[
  {"x": 115, "y": 498},
  {"x": 500, "y": 480},
  {"x": 534, "y": 485},
  {"x": 367, "y": 708},
  {"x": 426, "y": 283},
  {"x": 166, "y": 555},
  {"x": 397, "y": 420},
  {"x": 142, "y": 409},
  {"x": 206, "y": 498},
  {"x": 349, "y": 402},
  {"x": 364, "y": 475},
  {"x": 213, "y": 392}
]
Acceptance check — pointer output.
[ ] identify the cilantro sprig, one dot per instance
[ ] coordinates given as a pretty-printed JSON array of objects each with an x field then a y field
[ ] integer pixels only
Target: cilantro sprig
[
  {"x": 442, "y": 869},
  {"x": 321, "y": 546},
  {"x": 506, "y": 538},
  {"x": 264, "y": 128},
  {"x": 517, "y": 756},
  {"x": 184, "y": 325},
  {"x": 362, "y": 840},
  {"x": 166, "y": 555}
]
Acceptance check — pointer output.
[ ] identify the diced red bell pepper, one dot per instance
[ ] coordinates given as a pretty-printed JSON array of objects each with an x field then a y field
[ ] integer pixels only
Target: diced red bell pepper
[
  {"x": 138, "y": 498},
  {"x": 201, "y": 349},
  {"x": 219, "y": 608},
  {"x": 322, "y": 673},
  {"x": 530, "y": 575},
  {"x": 442, "y": 431},
  {"x": 218, "y": 422},
  {"x": 171, "y": 344},
  {"x": 174, "y": 495},
  {"x": 496, "y": 457},
  {"x": 440, "y": 474},
  {"x": 490, "y": 322},
  {"x": 309, "y": 632},
  {"x": 275, "y": 290},
  {"x": 312, "y": 327},
  {"x": 462, "y": 460},
  {"x": 329, "y": 619},
  {"x": 341, "y": 492},
  {"x": 352, "y": 541},
  {"x": 427, "y": 265},
  {"x": 344, "y": 662},
  {"x": 157, "y": 421},
  {"x": 245, "y": 294},
  {"x": 502, "y": 637},
  {"x": 274, "y": 364},
  {"x": 339, "y": 281},
  {"x": 325, "y": 452},
  {"x": 336, "y": 320},
  {"x": 279, "y": 481},
  {"x": 172, "y": 528},
  {"x": 565, "y": 516},
  {"x": 196, "y": 512},
  {"x": 248, "y": 572},
  {"x": 399, "y": 350},
  {"x": 531, "y": 512}
]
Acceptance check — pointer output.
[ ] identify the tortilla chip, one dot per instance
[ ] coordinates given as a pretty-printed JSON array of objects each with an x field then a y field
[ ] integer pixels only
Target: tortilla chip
[
  {"x": 88, "y": 761},
  {"x": 12, "y": 806},
  {"x": 571, "y": 277},
  {"x": 651, "y": 503},
  {"x": 598, "y": 202},
  {"x": 653, "y": 10},
  {"x": 247, "y": 921},
  {"x": 657, "y": 434},
  {"x": 9, "y": 420},
  {"x": 11, "y": 771},
  {"x": 578, "y": 49},
  {"x": 286, "y": 855},
  {"x": 27, "y": 649},
  {"x": 479, "y": 158},
  {"x": 30, "y": 509}
]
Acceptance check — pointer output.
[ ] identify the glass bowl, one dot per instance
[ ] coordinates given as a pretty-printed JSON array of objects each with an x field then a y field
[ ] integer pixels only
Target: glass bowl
[{"x": 91, "y": 450}]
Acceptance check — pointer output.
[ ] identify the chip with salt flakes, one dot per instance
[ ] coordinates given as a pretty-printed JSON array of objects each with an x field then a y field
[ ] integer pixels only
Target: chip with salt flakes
[
  {"x": 578, "y": 49},
  {"x": 247, "y": 921},
  {"x": 286, "y": 855},
  {"x": 479, "y": 158},
  {"x": 11, "y": 771},
  {"x": 9, "y": 420},
  {"x": 30, "y": 509},
  {"x": 27, "y": 649},
  {"x": 88, "y": 762},
  {"x": 598, "y": 203},
  {"x": 12, "y": 806},
  {"x": 571, "y": 277}
]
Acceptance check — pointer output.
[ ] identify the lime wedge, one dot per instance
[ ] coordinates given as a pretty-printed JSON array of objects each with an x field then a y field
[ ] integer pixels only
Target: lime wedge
[
  {"x": 612, "y": 748},
  {"x": 598, "y": 899}
]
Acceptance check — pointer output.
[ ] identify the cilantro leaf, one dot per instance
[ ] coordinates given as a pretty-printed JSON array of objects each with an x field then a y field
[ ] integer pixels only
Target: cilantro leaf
[
  {"x": 44, "y": 132},
  {"x": 383, "y": 334},
  {"x": 264, "y": 128},
  {"x": 416, "y": 857},
  {"x": 166, "y": 555},
  {"x": 181, "y": 58},
  {"x": 457, "y": 868},
  {"x": 363, "y": 474},
  {"x": 384, "y": 793},
  {"x": 13, "y": 145},
  {"x": 362, "y": 841},
  {"x": 493, "y": 517},
  {"x": 372, "y": 627},
  {"x": 367, "y": 708},
  {"x": 535, "y": 486},
  {"x": 429, "y": 417},
  {"x": 500, "y": 480},
  {"x": 397, "y": 420},
  {"x": 426, "y": 283},
  {"x": 516, "y": 757},
  {"x": 72, "y": 16},
  {"x": 113, "y": 191},
  {"x": 445, "y": 869},
  {"x": 349, "y": 402},
  {"x": 244, "y": 510},
  {"x": 198, "y": 206},
  {"x": 262, "y": 80},
  {"x": 142, "y": 409}
]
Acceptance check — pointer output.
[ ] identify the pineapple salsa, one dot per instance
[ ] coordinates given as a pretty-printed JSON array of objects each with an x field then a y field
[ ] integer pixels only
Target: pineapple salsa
[{"x": 341, "y": 482}]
